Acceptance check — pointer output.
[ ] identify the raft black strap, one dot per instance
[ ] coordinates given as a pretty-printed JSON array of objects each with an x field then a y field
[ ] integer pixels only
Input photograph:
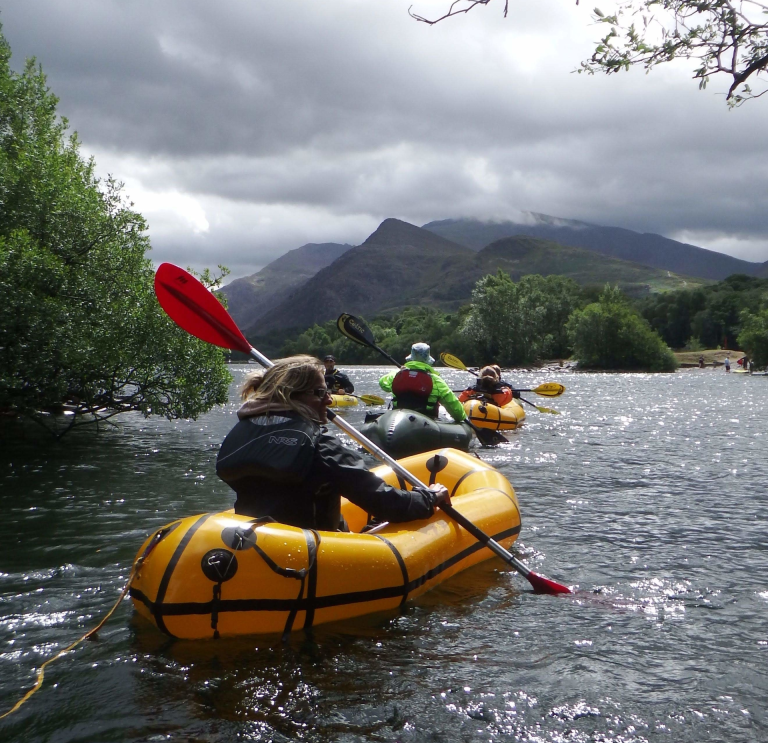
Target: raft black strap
[
  {"x": 215, "y": 602},
  {"x": 300, "y": 575},
  {"x": 313, "y": 545},
  {"x": 401, "y": 563},
  {"x": 311, "y": 561},
  {"x": 285, "y": 572},
  {"x": 462, "y": 478},
  {"x": 156, "y": 539},
  {"x": 171, "y": 567}
]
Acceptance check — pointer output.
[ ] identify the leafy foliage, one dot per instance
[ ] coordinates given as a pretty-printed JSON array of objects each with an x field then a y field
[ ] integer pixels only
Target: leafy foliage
[
  {"x": 79, "y": 324},
  {"x": 724, "y": 38},
  {"x": 395, "y": 334},
  {"x": 516, "y": 323},
  {"x": 510, "y": 323},
  {"x": 753, "y": 337},
  {"x": 609, "y": 334},
  {"x": 706, "y": 317}
]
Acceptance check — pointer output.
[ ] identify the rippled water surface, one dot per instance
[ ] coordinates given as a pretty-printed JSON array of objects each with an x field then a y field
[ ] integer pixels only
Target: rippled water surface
[{"x": 648, "y": 493}]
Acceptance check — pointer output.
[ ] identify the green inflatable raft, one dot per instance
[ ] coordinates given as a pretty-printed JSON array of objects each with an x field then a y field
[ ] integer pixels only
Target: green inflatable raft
[{"x": 403, "y": 433}]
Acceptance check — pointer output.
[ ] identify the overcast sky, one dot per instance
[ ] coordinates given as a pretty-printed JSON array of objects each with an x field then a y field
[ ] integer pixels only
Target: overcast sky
[{"x": 245, "y": 128}]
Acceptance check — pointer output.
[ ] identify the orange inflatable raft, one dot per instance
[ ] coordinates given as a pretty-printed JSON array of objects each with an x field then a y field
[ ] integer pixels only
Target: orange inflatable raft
[
  {"x": 487, "y": 415},
  {"x": 219, "y": 574}
]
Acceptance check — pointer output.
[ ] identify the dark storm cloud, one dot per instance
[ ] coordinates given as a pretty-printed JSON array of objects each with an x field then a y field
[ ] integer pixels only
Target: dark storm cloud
[{"x": 277, "y": 124}]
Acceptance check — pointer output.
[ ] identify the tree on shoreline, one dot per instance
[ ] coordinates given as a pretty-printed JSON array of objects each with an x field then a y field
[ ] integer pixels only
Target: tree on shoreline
[
  {"x": 754, "y": 336},
  {"x": 709, "y": 316},
  {"x": 609, "y": 334},
  {"x": 80, "y": 328},
  {"x": 517, "y": 323},
  {"x": 511, "y": 323}
]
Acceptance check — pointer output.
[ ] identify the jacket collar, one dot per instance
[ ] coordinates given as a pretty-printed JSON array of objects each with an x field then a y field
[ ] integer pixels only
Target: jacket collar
[{"x": 418, "y": 365}]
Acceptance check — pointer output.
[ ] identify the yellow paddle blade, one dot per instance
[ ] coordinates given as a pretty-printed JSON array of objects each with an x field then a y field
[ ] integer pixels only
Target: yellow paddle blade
[
  {"x": 450, "y": 360},
  {"x": 549, "y": 389},
  {"x": 372, "y": 399},
  {"x": 547, "y": 410}
]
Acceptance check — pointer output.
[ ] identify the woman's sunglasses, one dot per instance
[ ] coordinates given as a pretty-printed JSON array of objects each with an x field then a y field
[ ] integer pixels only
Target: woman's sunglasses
[{"x": 320, "y": 392}]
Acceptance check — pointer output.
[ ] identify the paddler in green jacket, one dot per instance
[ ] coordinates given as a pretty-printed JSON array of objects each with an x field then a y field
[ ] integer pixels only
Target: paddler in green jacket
[{"x": 417, "y": 386}]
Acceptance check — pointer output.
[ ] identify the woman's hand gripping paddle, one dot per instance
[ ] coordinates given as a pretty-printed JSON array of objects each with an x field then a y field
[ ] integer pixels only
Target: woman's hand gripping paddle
[
  {"x": 192, "y": 307},
  {"x": 548, "y": 389},
  {"x": 356, "y": 330}
]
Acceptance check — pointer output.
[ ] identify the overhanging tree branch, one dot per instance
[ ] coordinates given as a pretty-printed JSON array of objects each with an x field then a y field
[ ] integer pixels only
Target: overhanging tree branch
[
  {"x": 456, "y": 8},
  {"x": 727, "y": 39}
]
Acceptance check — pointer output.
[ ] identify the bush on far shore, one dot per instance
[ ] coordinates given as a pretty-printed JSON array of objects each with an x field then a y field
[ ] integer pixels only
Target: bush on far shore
[
  {"x": 754, "y": 336},
  {"x": 609, "y": 334}
]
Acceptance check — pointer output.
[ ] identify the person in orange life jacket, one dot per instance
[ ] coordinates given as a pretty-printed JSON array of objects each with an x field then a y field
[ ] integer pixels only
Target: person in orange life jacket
[
  {"x": 502, "y": 383},
  {"x": 283, "y": 465},
  {"x": 489, "y": 389},
  {"x": 336, "y": 381},
  {"x": 417, "y": 386}
]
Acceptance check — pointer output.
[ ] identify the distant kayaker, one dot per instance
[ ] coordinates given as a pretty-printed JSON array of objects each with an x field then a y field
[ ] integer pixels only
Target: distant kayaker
[
  {"x": 489, "y": 388},
  {"x": 417, "y": 386},
  {"x": 335, "y": 380},
  {"x": 283, "y": 465},
  {"x": 727, "y": 364}
]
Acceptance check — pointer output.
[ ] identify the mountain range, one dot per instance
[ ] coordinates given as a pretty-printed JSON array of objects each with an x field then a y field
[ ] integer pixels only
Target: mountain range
[
  {"x": 250, "y": 297},
  {"x": 646, "y": 248},
  {"x": 401, "y": 264}
]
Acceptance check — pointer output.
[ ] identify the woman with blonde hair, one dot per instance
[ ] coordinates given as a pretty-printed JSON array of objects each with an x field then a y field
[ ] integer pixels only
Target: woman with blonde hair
[{"x": 283, "y": 465}]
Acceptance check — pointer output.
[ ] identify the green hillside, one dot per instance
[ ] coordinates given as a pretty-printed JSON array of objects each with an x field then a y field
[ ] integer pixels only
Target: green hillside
[
  {"x": 401, "y": 265},
  {"x": 250, "y": 297}
]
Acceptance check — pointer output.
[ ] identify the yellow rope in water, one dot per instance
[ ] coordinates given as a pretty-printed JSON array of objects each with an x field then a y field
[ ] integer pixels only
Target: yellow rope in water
[{"x": 90, "y": 633}]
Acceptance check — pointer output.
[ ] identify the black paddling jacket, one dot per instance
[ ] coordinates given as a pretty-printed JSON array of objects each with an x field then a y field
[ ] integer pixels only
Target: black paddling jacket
[
  {"x": 283, "y": 466},
  {"x": 337, "y": 381}
]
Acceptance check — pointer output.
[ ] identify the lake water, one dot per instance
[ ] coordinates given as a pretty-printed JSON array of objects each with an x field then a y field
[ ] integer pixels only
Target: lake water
[{"x": 648, "y": 494}]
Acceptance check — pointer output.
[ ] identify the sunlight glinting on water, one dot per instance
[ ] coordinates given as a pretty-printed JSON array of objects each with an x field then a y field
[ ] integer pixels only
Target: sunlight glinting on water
[{"x": 647, "y": 493}]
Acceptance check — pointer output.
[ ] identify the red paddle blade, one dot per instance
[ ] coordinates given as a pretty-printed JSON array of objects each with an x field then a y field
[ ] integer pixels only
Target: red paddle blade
[
  {"x": 545, "y": 585},
  {"x": 192, "y": 307}
]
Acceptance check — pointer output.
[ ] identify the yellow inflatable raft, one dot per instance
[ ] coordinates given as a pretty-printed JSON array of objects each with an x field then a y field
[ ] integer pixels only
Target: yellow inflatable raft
[
  {"x": 220, "y": 574},
  {"x": 486, "y": 415},
  {"x": 343, "y": 401}
]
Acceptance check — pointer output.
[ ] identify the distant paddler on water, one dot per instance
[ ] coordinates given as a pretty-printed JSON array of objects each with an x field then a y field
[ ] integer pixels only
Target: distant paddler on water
[
  {"x": 417, "y": 386},
  {"x": 548, "y": 389},
  {"x": 490, "y": 388},
  {"x": 342, "y": 389},
  {"x": 448, "y": 434},
  {"x": 335, "y": 380}
]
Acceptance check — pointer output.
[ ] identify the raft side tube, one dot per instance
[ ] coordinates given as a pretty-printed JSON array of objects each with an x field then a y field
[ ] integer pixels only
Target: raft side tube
[
  {"x": 403, "y": 433},
  {"x": 223, "y": 574},
  {"x": 488, "y": 415}
]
